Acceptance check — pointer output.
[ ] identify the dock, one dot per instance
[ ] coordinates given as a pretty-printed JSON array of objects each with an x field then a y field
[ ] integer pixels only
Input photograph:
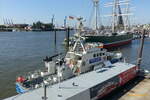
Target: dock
[
  {"x": 136, "y": 89},
  {"x": 140, "y": 92}
]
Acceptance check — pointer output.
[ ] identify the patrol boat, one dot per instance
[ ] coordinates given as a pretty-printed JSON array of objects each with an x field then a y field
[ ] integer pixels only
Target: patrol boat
[{"x": 80, "y": 58}]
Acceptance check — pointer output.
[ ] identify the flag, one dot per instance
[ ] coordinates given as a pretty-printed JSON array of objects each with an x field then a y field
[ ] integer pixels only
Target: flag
[{"x": 70, "y": 17}]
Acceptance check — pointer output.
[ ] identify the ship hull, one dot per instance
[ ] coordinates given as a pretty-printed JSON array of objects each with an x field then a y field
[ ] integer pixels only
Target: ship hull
[
  {"x": 103, "y": 89},
  {"x": 117, "y": 44},
  {"x": 111, "y": 41}
]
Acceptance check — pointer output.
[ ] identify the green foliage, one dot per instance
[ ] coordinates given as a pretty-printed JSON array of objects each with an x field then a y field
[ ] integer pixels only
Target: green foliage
[{"x": 42, "y": 26}]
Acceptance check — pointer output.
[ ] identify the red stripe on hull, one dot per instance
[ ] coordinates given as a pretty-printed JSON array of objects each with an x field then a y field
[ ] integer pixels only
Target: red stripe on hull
[
  {"x": 108, "y": 90},
  {"x": 124, "y": 77},
  {"x": 117, "y": 44},
  {"x": 127, "y": 75}
]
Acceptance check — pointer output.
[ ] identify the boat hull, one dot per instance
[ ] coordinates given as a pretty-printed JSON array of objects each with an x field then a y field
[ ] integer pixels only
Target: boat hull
[
  {"x": 20, "y": 89},
  {"x": 89, "y": 86},
  {"x": 111, "y": 41},
  {"x": 117, "y": 44},
  {"x": 102, "y": 89}
]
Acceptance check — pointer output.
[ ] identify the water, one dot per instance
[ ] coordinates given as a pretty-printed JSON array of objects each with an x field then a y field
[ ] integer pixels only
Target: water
[{"x": 22, "y": 52}]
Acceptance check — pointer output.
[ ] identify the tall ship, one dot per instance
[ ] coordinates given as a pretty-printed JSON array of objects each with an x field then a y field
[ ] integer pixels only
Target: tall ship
[
  {"x": 86, "y": 72},
  {"x": 117, "y": 34}
]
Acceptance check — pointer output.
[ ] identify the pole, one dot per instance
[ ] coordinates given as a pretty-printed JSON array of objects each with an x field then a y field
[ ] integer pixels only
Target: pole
[
  {"x": 44, "y": 97},
  {"x": 114, "y": 16},
  {"x": 96, "y": 14},
  {"x": 67, "y": 37},
  {"x": 141, "y": 49},
  {"x": 52, "y": 20},
  {"x": 55, "y": 36},
  {"x": 65, "y": 22}
]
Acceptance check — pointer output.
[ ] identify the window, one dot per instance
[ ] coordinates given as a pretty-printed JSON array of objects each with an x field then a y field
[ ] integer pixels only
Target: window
[
  {"x": 79, "y": 58},
  {"x": 94, "y": 55},
  {"x": 97, "y": 54},
  {"x": 100, "y": 54}
]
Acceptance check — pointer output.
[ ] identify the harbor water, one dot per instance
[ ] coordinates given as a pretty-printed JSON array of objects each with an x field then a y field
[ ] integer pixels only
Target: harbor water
[{"x": 22, "y": 52}]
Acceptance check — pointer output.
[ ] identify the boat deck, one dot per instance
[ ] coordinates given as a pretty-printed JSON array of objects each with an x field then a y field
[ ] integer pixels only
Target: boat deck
[{"x": 66, "y": 90}]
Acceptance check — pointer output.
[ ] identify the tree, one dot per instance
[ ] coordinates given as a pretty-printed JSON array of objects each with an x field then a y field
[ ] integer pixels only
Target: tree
[{"x": 42, "y": 26}]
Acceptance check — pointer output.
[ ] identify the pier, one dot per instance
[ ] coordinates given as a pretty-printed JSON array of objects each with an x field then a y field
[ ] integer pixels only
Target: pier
[
  {"x": 141, "y": 91},
  {"x": 136, "y": 89}
]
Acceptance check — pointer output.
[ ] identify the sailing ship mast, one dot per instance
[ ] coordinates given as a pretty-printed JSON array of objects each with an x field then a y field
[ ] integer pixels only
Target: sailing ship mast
[
  {"x": 127, "y": 22},
  {"x": 117, "y": 15},
  {"x": 114, "y": 15},
  {"x": 95, "y": 21}
]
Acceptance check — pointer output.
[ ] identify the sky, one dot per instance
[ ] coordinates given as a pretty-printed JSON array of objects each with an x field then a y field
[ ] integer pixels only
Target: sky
[{"x": 29, "y": 11}]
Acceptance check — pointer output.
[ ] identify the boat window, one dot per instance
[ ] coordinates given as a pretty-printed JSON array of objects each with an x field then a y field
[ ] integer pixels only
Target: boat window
[
  {"x": 79, "y": 58},
  {"x": 70, "y": 55},
  {"x": 73, "y": 56},
  {"x": 100, "y": 54},
  {"x": 94, "y": 55},
  {"x": 97, "y": 55},
  {"x": 103, "y": 53}
]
